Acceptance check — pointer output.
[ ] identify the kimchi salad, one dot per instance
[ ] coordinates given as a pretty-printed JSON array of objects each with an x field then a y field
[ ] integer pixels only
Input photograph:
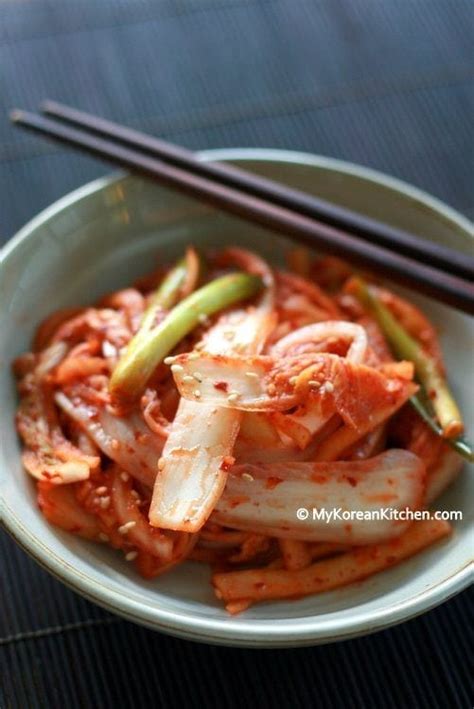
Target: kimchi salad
[{"x": 211, "y": 410}]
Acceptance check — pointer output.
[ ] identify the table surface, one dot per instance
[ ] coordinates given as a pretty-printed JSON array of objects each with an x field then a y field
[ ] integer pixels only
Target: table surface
[{"x": 385, "y": 84}]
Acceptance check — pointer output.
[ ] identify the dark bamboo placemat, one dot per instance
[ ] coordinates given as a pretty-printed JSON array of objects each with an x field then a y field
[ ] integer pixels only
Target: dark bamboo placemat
[{"x": 386, "y": 84}]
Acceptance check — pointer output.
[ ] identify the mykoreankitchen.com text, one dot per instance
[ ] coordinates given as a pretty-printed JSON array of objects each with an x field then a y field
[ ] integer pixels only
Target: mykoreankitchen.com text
[{"x": 335, "y": 514}]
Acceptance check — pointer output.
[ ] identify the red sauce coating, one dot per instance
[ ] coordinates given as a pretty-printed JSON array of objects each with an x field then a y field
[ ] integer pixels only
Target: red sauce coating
[
  {"x": 227, "y": 463},
  {"x": 271, "y": 483},
  {"x": 238, "y": 500}
]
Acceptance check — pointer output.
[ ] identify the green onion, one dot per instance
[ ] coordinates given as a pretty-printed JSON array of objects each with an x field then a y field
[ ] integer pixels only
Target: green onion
[
  {"x": 436, "y": 390},
  {"x": 165, "y": 297},
  {"x": 168, "y": 292},
  {"x": 149, "y": 347},
  {"x": 422, "y": 406}
]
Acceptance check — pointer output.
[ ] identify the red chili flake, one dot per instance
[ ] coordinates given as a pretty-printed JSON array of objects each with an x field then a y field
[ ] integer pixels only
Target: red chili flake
[
  {"x": 227, "y": 463},
  {"x": 271, "y": 483},
  {"x": 351, "y": 481},
  {"x": 222, "y": 386},
  {"x": 319, "y": 478},
  {"x": 238, "y": 500}
]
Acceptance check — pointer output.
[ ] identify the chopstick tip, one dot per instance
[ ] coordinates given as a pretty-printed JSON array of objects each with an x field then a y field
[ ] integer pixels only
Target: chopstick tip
[{"x": 16, "y": 115}]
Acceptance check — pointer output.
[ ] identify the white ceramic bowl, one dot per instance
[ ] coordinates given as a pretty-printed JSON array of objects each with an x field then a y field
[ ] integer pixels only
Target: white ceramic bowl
[{"x": 104, "y": 235}]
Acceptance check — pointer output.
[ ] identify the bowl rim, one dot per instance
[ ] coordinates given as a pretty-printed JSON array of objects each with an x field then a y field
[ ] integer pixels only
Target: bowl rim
[{"x": 291, "y": 632}]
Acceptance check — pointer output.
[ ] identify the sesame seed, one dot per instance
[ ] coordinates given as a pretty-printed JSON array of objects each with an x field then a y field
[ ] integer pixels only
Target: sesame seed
[
  {"x": 271, "y": 389},
  {"x": 108, "y": 350},
  {"x": 169, "y": 360},
  {"x": 232, "y": 398},
  {"x": 177, "y": 368},
  {"x": 115, "y": 445},
  {"x": 101, "y": 490},
  {"x": 313, "y": 383},
  {"x": 131, "y": 555},
  {"x": 123, "y": 529},
  {"x": 193, "y": 355},
  {"x": 161, "y": 464},
  {"x": 329, "y": 386},
  {"x": 104, "y": 502},
  {"x": 203, "y": 319},
  {"x": 293, "y": 381},
  {"x": 197, "y": 376},
  {"x": 103, "y": 537},
  {"x": 251, "y": 375},
  {"x": 247, "y": 476},
  {"x": 135, "y": 494},
  {"x": 187, "y": 379},
  {"x": 125, "y": 476},
  {"x": 197, "y": 393}
]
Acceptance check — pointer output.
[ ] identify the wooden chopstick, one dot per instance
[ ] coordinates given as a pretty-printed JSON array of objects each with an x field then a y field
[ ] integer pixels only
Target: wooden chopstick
[
  {"x": 352, "y": 222},
  {"x": 434, "y": 282}
]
